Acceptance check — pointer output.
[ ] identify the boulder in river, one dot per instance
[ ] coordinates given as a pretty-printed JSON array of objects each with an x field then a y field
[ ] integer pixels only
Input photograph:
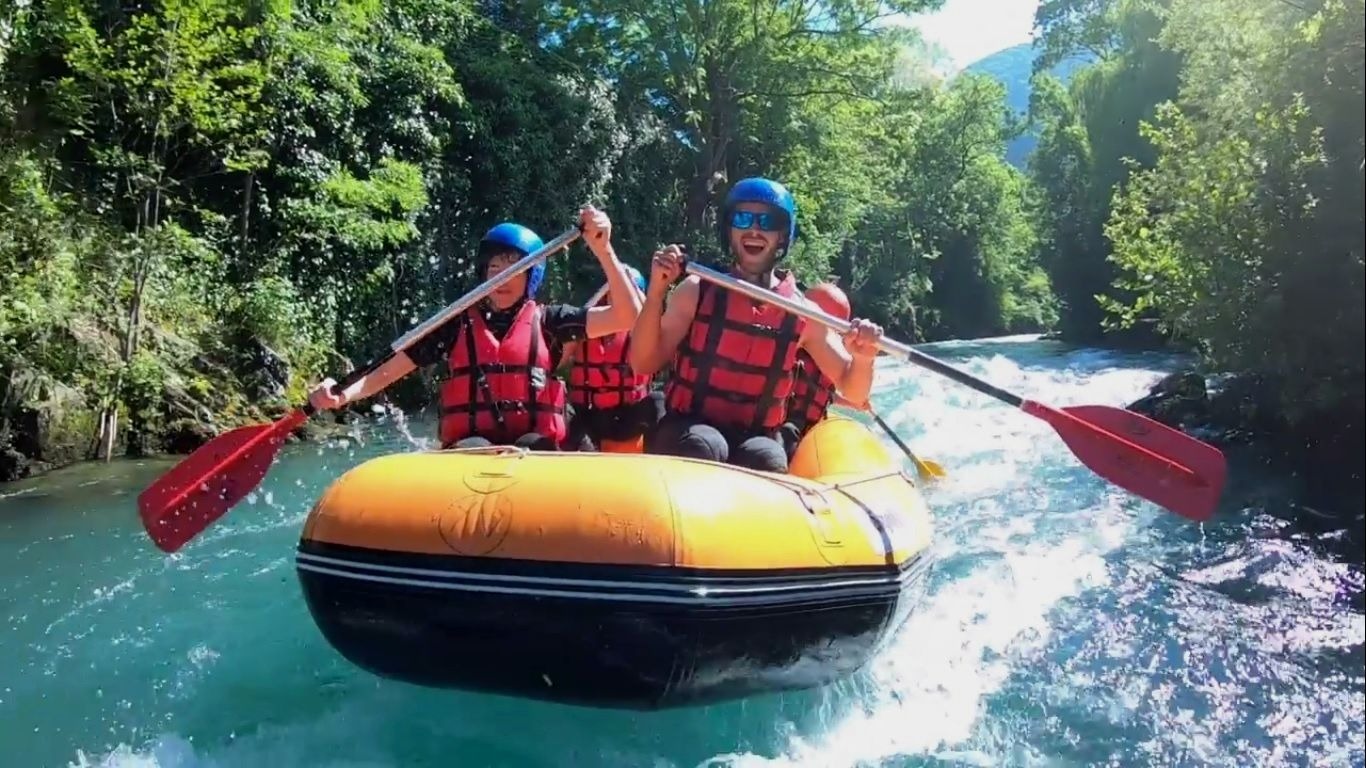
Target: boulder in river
[
  {"x": 44, "y": 424},
  {"x": 1225, "y": 409},
  {"x": 1323, "y": 452},
  {"x": 1179, "y": 400}
]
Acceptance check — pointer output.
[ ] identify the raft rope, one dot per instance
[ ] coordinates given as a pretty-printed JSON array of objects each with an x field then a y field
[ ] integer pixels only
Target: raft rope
[{"x": 494, "y": 450}]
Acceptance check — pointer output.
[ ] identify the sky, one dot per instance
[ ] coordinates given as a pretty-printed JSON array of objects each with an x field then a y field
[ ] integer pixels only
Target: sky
[{"x": 971, "y": 29}]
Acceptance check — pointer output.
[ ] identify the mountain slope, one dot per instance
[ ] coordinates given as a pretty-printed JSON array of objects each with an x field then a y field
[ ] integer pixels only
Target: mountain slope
[{"x": 1013, "y": 67}]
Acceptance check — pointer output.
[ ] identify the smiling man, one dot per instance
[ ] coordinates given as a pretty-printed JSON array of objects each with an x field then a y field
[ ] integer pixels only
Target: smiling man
[{"x": 733, "y": 357}]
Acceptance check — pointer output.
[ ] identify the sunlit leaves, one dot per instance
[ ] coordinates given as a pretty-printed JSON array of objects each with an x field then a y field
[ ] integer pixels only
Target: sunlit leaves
[{"x": 1247, "y": 234}]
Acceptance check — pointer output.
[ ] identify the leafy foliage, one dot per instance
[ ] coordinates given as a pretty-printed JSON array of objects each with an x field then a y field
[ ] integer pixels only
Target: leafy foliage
[
  {"x": 1089, "y": 139},
  {"x": 1205, "y": 177},
  {"x": 188, "y": 182},
  {"x": 1246, "y": 235},
  {"x": 184, "y": 183}
]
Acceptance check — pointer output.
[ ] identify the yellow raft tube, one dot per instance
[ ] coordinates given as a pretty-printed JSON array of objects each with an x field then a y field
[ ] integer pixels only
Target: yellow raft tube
[{"x": 620, "y": 580}]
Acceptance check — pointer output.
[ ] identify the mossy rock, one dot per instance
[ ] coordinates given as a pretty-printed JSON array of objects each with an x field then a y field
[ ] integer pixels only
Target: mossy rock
[
  {"x": 49, "y": 424},
  {"x": 186, "y": 435},
  {"x": 1178, "y": 400}
]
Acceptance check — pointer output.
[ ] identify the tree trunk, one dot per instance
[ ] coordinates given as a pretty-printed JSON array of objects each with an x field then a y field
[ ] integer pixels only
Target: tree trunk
[
  {"x": 142, "y": 262},
  {"x": 699, "y": 194},
  {"x": 109, "y": 424},
  {"x": 395, "y": 311},
  {"x": 715, "y": 138},
  {"x": 244, "y": 226}
]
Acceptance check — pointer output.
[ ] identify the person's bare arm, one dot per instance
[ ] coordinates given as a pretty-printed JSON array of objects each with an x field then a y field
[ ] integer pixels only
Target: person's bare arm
[
  {"x": 853, "y": 376},
  {"x": 430, "y": 349},
  {"x": 658, "y": 329},
  {"x": 625, "y": 304},
  {"x": 568, "y": 354},
  {"x": 571, "y": 353},
  {"x": 373, "y": 383}
]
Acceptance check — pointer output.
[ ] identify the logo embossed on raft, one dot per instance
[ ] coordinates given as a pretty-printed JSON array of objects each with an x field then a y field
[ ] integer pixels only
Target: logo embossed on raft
[{"x": 476, "y": 524}]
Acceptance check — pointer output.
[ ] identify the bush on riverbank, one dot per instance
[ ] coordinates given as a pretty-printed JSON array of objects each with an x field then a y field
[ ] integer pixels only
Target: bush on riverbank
[{"x": 204, "y": 359}]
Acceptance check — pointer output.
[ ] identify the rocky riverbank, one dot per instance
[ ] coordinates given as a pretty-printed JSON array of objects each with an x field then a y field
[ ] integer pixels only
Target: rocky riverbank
[
  {"x": 1324, "y": 452},
  {"x": 178, "y": 395}
]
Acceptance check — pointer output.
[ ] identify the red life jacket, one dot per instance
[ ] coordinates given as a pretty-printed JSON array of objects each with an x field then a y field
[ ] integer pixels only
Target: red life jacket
[
  {"x": 734, "y": 367},
  {"x": 812, "y": 392},
  {"x": 489, "y": 391},
  {"x": 600, "y": 377}
]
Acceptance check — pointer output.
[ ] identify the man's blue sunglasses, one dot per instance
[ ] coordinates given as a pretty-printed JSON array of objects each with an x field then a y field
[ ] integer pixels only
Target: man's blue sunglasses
[{"x": 768, "y": 222}]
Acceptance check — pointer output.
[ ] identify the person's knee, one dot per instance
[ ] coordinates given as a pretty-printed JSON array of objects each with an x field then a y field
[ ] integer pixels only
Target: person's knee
[
  {"x": 535, "y": 441},
  {"x": 641, "y": 416},
  {"x": 679, "y": 436},
  {"x": 577, "y": 437},
  {"x": 473, "y": 441},
  {"x": 762, "y": 453},
  {"x": 790, "y": 435},
  {"x": 704, "y": 442},
  {"x": 581, "y": 442}
]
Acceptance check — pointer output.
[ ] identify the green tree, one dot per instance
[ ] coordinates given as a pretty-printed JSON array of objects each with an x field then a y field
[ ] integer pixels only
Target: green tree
[
  {"x": 1089, "y": 136},
  {"x": 1246, "y": 236},
  {"x": 710, "y": 68},
  {"x": 202, "y": 201}
]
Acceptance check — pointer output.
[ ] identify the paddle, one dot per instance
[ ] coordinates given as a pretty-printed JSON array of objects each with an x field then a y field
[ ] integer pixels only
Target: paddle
[
  {"x": 1143, "y": 456},
  {"x": 207, "y": 483},
  {"x": 602, "y": 291},
  {"x": 929, "y": 470},
  {"x": 596, "y": 297}
]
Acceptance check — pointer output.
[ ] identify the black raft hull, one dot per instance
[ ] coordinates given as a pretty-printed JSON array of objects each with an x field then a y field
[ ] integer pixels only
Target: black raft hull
[{"x": 623, "y": 637}]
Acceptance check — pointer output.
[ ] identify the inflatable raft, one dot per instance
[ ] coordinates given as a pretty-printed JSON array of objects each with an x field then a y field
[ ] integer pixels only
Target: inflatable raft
[{"x": 618, "y": 580}]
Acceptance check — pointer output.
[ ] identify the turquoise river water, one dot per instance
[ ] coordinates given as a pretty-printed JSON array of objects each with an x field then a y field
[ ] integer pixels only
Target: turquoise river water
[{"x": 1066, "y": 624}]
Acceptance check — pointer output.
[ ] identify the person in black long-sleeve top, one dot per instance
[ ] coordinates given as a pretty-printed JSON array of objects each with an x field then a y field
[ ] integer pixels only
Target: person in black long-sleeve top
[{"x": 500, "y": 355}]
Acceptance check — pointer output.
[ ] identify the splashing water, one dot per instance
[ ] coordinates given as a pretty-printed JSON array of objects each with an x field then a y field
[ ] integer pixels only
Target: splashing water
[{"x": 1066, "y": 623}]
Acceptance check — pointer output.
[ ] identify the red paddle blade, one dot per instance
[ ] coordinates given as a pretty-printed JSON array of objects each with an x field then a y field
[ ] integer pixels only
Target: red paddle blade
[
  {"x": 207, "y": 483},
  {"x": 1143, "y": 456}
]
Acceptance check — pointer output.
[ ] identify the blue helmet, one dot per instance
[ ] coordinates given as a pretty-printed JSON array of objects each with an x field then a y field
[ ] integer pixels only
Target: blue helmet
[
  {"x": 760, "y": 190},
  {"x": 635, "y": 276},
  {"x": 520, "y": 239}
]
